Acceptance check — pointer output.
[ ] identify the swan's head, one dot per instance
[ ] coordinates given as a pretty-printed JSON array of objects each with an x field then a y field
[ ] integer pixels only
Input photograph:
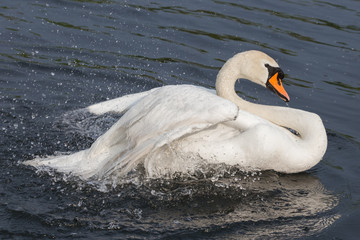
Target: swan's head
[
  {"x": 274, "y": 82},
  {"x": 262, "y": 69}
]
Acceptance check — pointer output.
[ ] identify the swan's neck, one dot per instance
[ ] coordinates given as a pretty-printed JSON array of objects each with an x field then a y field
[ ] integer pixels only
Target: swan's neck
[
  {"x": 308, "y": 125},
  {"x": 225, "y": 87}
]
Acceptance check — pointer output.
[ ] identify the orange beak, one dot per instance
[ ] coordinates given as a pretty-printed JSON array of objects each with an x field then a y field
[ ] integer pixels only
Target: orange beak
[{"x": 274, "y": 83}]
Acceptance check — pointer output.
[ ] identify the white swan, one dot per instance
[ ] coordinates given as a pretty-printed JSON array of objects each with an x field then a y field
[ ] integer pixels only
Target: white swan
[{"x": 176, "y": 128}]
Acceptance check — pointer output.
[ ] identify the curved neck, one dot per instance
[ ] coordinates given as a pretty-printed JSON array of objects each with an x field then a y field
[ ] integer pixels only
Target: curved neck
[
  {"x": 225, "y": 88},
  {"x": 308, "y": 125}
]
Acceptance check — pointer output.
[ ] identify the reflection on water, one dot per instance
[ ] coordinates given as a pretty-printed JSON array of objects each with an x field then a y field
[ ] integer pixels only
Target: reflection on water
[
  {"x": 220, "y": 201},
  {"x": 253, "y": 204}
]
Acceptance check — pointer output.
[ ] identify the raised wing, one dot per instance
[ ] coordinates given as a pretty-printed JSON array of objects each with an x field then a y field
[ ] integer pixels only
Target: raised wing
[{"x": 152, "y": 120}]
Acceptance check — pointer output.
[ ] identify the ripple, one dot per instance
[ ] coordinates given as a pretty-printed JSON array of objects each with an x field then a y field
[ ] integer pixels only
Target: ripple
[{"x": 64, "y": 55}]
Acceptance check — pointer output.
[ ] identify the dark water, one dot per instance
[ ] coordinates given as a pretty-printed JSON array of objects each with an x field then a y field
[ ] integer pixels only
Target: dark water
[{"x": 59, "y": 56}]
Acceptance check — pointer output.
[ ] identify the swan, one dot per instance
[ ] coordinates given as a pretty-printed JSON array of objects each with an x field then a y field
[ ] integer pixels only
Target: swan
[{"x": 177, "y": 128}]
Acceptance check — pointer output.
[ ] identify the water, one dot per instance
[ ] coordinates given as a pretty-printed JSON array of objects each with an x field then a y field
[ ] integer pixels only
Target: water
[{"x": 59, "y": 56}]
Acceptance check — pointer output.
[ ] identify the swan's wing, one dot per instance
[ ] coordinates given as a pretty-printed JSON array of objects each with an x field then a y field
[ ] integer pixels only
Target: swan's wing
[
  {"x": 155, "y": 120},
  {"x": 160, "y": 118},
  {"x": 118, "y": 105}
]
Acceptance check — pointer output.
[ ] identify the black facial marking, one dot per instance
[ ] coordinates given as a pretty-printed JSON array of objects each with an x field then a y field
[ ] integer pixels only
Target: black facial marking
[{"x": 273, "y": 70}]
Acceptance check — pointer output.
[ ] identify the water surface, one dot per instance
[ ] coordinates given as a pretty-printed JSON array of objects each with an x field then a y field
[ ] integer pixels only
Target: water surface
[{"x": 59, "y": 56}]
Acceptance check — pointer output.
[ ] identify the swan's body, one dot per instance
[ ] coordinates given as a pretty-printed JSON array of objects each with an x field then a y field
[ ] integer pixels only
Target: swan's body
[{"x": 176, "y": 128}]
